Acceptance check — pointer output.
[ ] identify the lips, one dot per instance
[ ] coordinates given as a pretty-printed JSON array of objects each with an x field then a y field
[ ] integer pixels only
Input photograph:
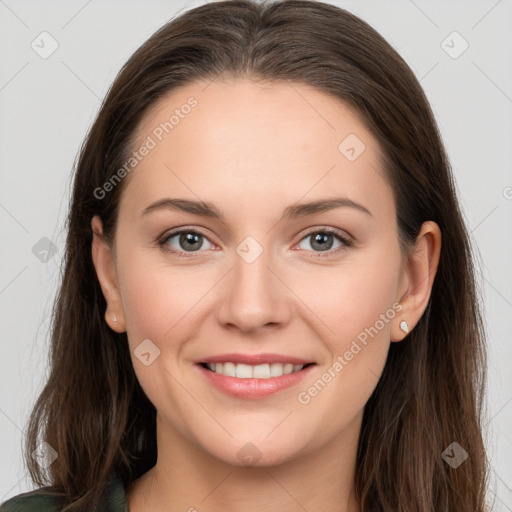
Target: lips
[
  {"x": 253, "y": 388},
  {"x": 254, "y": 359}
]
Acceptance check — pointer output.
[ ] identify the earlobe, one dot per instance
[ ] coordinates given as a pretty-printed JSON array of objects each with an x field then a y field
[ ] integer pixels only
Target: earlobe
[
  {"x": 420, "y": 269},
  {"x": 114, "y": 323},
  {"x": 104, "y": 265},
  {"x": 400, "y": 328},
  {"x": 404, "y": 326}
]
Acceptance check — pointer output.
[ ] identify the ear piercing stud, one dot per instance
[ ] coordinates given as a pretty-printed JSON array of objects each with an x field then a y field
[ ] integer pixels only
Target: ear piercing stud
[
  {"x": 114, "y": 317},
  {"x": 404, "y": 326}
]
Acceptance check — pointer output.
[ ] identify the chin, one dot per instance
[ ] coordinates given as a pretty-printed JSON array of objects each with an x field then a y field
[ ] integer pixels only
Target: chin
[{"x": 256, "y": 454}]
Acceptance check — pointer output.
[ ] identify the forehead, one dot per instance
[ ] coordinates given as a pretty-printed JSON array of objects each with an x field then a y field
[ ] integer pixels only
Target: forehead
[{"x": 267, "y": 140}]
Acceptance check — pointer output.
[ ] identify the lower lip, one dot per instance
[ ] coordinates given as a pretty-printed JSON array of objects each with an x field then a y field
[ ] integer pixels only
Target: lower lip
[{"x": 254, "y": 388}]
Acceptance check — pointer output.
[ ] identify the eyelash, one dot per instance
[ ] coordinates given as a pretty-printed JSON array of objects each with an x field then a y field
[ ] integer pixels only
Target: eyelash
[{"x": 347, "y": 242}]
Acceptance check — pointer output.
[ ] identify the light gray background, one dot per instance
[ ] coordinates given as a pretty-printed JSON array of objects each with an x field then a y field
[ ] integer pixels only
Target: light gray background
[{"x": 47, "y": 105}]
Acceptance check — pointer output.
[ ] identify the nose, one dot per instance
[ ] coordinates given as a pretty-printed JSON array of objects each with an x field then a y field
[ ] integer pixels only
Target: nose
[{"x": 253, "y": 295}]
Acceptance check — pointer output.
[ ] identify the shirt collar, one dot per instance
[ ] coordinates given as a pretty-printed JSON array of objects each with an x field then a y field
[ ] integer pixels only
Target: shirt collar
[{"x": 115, "y": 495}]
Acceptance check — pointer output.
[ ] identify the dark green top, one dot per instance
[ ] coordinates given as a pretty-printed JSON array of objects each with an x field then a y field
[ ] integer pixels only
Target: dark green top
[{"x": 40, "y": 501}]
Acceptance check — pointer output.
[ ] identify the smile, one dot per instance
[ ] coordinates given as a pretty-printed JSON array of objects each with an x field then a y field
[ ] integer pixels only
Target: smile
[
  {"x": 253, "y": 382},
  {"x": 246, "y": 371}
]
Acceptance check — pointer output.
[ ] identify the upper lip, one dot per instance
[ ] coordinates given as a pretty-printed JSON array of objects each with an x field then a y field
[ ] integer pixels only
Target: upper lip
[{"x": 254, "y": 359}]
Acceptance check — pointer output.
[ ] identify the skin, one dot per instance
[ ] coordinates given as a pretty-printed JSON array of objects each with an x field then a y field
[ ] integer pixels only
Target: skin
[{"x": 252, "y": 149}]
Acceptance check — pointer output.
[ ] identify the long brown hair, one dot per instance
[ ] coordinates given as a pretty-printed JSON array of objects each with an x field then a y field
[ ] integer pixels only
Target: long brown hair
[{"x": 92, "y": 410}]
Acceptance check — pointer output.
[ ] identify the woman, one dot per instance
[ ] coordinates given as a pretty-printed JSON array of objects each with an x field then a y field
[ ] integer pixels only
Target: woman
[{"x": 321, "y": 346}]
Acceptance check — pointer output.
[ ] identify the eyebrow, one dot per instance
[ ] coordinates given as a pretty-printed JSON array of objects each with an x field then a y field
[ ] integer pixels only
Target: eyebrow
[{"x": 293, "y": 211}]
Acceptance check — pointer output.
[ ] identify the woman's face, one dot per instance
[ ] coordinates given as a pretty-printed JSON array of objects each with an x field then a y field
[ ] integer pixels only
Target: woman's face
[{"x": 265, "y": 274}]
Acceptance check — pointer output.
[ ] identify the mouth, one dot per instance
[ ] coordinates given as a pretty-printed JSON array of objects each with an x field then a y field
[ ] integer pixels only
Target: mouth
[
  {"x": 253, "y": 382},
  {"x": 260, "y": 371}
]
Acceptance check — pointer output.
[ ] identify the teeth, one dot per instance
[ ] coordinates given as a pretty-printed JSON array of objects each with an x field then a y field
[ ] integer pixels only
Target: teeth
[{"x": 261, "y": 371}]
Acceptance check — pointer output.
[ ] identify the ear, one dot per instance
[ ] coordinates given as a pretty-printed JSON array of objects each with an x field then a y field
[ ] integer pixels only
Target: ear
[
  {"x": 417, "y": 278},
  {"x": 104, "y": 263}
]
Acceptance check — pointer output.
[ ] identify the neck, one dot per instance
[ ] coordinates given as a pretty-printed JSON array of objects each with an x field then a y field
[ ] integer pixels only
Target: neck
[{"x": 186, "y": 478}]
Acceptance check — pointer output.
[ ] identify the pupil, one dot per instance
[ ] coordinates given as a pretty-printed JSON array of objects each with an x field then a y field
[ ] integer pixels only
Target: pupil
[
  {"x": 189, "y": 238},
  {"x": 321, "y": 239}
]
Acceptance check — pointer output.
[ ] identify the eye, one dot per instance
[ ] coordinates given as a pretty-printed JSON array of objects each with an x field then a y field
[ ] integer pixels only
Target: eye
[
  {"x": 191, "y": 241},
  {"x": 322, "y": 241},
  {"x": 186, "y": 241}
]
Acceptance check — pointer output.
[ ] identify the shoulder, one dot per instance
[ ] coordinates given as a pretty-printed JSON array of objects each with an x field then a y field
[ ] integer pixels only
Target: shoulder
[
  {"x": 42, "y": 500},
  {"x": 38, "y": 500}
]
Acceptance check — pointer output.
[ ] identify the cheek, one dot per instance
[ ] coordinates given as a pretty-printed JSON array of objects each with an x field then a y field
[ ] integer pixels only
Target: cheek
[
  {"x": 158, "y": 300},
  {"x": 159, "y": 304},
  {"x": 354, "y": 296},
  {"x": 355, "y": 313}
]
